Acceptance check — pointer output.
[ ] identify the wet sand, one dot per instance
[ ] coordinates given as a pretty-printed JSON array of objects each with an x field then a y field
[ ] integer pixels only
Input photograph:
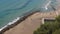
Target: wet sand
[{"x": 31, "y": 23}]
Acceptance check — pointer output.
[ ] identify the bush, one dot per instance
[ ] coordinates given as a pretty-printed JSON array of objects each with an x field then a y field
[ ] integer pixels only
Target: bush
[
  {"x": 48, "y": 28},
  {"x": 56, "y": 32},
  {"x": 58, "y": 18}
]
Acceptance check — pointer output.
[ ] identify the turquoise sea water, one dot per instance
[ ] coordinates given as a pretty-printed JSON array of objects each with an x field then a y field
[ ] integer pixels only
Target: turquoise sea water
[{"x": 11, "y": 9}]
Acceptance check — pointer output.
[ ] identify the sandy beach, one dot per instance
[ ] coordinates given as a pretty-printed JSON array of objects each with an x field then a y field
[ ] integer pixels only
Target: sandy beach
[{"x": 31, "y": 23}]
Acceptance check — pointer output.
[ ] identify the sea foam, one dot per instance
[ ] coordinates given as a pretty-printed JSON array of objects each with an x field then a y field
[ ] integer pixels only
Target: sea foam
[{"x": 10, "y": 23}]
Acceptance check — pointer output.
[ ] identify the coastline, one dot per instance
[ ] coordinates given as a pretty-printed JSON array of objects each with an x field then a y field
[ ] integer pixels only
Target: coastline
[
  {"x": 16, "y": 21},
  {"x": 31, "y": 23},
  {"x": 22, "y": 18}
]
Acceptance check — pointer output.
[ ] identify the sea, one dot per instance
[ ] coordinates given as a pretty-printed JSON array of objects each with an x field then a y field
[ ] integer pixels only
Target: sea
[{"x": 11, "y": 9}]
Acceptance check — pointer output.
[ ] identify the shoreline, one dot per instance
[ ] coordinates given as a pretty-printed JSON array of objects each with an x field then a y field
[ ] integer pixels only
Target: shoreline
[
  {"x": 16, "y": 21},
  {"x": 31, "y": 23},
  {"x": 19, "y": 20}
]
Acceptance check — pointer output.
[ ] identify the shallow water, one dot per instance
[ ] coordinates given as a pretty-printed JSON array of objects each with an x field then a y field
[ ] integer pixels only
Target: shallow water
[{"x": 11, "y": 9}]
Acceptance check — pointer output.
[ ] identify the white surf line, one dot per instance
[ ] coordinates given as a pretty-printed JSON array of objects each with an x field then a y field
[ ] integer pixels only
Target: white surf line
[
  {"x": 14, "y": 21},
  {"x": 47, "y": 5},
  {"x": 10, "y": 23},
  {"x": 3, "y": 27}
]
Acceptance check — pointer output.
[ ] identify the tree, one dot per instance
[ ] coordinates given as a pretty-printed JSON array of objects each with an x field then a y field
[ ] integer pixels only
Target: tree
[
  {"x": 56, "y": 32},
  {"x": 49, "y": 28},
  {"x": 58, "y": 18}
]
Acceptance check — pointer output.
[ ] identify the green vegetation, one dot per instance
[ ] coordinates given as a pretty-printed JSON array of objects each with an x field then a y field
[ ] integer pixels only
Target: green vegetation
[
  {"x": 52, "y": 27},
  {"x": 56, "y": 32}
]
